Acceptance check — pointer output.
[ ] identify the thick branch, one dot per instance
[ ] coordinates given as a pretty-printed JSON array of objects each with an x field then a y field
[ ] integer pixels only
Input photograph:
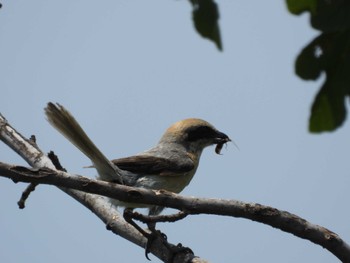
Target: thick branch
[{"x": 264, "y": 214}]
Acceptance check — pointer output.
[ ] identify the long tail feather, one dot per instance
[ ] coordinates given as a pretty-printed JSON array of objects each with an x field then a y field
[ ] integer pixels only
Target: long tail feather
[{"x": 65, "y": 123}]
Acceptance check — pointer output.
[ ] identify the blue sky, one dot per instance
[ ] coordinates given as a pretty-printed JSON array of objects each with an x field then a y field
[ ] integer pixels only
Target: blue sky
[{"x": 129, "y": 69}]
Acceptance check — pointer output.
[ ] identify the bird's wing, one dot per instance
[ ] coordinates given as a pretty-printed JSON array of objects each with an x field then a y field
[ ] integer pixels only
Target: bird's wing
[{"x": 151, "y": 165}]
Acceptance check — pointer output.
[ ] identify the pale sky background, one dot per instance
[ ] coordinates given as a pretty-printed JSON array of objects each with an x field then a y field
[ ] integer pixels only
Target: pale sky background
[{"x": 129, "y": 69}]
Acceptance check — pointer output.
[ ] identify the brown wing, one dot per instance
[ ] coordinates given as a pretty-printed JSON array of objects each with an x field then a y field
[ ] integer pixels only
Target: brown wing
[{"x": 150, "y": 165}]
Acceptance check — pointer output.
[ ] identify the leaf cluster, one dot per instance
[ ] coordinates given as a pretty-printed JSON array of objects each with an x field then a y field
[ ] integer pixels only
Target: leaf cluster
[{"x": 328, "y": 53}]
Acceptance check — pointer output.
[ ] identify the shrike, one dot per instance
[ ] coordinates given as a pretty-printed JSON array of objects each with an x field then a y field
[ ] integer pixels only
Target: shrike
[{"x": 170, "y": 165}]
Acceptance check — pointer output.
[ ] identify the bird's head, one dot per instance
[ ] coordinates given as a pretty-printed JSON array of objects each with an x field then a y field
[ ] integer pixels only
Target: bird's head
[{"x": 195, "y": 135}]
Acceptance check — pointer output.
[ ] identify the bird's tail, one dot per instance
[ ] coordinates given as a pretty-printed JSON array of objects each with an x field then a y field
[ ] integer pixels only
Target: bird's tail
[{"x": 65, "y": 123}]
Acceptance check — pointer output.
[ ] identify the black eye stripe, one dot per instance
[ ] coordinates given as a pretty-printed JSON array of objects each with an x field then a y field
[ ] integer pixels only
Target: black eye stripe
[{"x": 200, "y": 132}]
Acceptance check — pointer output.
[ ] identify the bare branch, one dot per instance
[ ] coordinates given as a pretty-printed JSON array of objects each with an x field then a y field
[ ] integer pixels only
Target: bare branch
[{"x": 264, "y": 214}]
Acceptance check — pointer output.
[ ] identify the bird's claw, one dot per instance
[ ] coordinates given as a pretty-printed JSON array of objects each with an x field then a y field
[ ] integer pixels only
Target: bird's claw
[
  {"x": 151, "y": 237},
  {"x": 154, "y": 235}
]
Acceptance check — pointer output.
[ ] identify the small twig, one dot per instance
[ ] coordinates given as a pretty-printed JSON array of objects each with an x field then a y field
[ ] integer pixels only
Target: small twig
[
  {"x": 159, "y": 218},
  {"x": 56, "y": 162},
  {"x": 31, "y": 187},
  {"x": 32, "y": 141},
  {"x": 22, "y": 201}
]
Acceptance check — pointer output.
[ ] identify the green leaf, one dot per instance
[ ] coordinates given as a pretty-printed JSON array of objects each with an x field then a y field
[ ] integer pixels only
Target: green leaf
[
  {"x": 328, "y": 111},
  {"x": 308, "y": 63},
  {"x": 205, "y": 16},
  {"x": 299, "y": 6}
]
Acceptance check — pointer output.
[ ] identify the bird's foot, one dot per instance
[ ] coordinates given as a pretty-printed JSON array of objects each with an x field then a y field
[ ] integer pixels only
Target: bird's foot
[
  {"x": 153, "y": 237},
  {"x": 156, "y": 236},
  {"x": 179, "y": 248}
]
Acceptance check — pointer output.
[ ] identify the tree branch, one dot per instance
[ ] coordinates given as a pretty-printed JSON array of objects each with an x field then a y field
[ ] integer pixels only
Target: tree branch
[{"x": 282, "y": 220}]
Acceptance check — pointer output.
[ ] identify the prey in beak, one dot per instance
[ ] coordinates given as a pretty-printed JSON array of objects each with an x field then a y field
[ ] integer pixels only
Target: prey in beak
[{"x": 220, "y": 140}]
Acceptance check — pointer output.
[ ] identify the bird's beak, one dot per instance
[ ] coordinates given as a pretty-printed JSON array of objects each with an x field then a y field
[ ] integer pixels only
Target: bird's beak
[{"x": 221, "y": 138}]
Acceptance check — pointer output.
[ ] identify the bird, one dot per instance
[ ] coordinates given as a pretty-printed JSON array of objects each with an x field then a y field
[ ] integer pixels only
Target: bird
[{"x": 170, "y": 165}]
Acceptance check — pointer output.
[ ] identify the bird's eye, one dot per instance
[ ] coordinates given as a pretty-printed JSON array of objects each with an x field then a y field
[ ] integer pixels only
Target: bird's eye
[{"x": 201, "y": 132}]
